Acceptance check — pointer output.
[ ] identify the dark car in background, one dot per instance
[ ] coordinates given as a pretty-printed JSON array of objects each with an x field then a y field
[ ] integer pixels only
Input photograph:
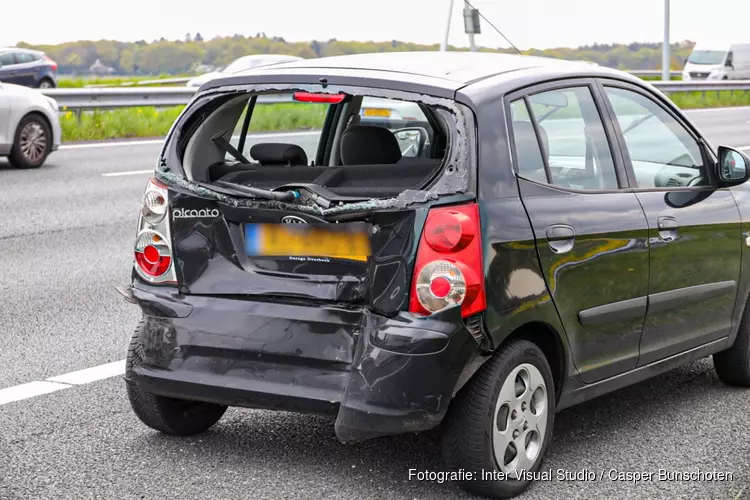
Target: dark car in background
[
  {"x": 30, "y": 68},
  {"x": 565, "y": 232}
]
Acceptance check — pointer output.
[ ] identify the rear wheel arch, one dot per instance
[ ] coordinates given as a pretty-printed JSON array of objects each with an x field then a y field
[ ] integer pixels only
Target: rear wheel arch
[{"x": 550, "y": 341}]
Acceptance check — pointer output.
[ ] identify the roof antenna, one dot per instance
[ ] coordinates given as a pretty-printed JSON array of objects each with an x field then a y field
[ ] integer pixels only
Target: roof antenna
[{"x": 493, "y": 26}]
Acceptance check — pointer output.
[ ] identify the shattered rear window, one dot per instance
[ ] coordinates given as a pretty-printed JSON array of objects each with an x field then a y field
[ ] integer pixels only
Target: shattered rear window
[{"x": 357, "y": 145}]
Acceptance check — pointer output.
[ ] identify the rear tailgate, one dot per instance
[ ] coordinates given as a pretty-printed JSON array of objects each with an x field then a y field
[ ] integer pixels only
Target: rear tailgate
[
  {"x": 216, "y": 252},
  {"x": 231, "y": 235}
]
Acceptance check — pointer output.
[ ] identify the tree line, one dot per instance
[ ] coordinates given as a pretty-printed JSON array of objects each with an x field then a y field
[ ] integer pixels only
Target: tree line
[{"x": 172, "y": 57}]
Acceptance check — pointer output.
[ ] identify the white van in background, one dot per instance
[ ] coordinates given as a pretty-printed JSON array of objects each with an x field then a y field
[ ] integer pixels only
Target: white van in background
[{"x": 718, "y": 61}]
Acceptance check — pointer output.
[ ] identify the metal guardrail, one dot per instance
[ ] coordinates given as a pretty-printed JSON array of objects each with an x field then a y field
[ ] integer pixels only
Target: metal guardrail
[
  {"x": 162, "y": 81},
  {"x": 701, "y": 86},
  {"x": 128, "y": 97},
  {"x": 651, "y": 72},
  {"x": 122, "y": 97}
]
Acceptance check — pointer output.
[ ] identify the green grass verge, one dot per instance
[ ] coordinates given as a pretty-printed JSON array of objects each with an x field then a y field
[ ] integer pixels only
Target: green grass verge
[
  {"x": 725, "y": 98},
  {"x": 151, "y": 122}
]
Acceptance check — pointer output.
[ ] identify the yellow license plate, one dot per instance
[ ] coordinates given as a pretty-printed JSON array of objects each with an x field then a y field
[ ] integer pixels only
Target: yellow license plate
[
  {"x": 347, "y": 241},
  {"x": 377, "y": 112}
]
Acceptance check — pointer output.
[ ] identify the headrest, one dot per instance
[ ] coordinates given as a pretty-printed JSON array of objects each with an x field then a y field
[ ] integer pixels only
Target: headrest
[
  {"x": 270, "y": 153},
  {"x": 368, "y": 145}
]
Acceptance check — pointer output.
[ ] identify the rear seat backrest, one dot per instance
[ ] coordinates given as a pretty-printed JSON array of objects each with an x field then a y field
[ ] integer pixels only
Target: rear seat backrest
[{"x": 369, "y": 145}]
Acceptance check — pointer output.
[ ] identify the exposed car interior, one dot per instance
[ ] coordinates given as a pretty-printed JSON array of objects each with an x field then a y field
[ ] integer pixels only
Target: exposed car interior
[{"x": 349, "y": 158}]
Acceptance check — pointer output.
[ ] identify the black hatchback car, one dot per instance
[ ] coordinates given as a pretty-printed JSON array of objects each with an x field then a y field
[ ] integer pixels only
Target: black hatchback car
[{"x": 543, "y": 233}]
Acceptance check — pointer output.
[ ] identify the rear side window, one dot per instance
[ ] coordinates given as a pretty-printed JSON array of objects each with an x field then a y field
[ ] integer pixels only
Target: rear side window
[
  {"x": 562, "y": 130},
  {"x": 25, "y": 57},
  {"x": 6, "y": 59}
]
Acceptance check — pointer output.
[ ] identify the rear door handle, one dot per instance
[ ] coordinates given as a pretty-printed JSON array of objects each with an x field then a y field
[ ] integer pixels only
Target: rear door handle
[
  {"x": 561, "y": 238},
  {"x": 668, "y": 227}
]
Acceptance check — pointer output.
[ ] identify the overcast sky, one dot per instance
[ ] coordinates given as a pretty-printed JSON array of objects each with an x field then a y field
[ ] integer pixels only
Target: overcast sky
[{"x": 528, "y": 23}]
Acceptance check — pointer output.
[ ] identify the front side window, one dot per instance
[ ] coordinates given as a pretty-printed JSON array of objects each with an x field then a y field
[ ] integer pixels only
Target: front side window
[
  {"x": 571, "y": 140},
  {"x": 663, "y": 153}
]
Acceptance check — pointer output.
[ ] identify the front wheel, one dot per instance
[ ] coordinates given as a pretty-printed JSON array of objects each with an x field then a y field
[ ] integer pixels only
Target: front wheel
[
  {"x": 732, "y": 366},
  {"x": 32, "y": 143},
  {"x": 500, "y": 424}
]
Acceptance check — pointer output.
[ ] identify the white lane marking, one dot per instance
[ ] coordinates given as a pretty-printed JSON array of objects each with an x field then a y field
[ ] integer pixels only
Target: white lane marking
[
  {"x": 66, "y": 381},
  {"x": 30, "y": 390},
  {"x": 131, "y": 172},
  {"x": 88, "y": 375},
  {"x": 151, "y": 142}
]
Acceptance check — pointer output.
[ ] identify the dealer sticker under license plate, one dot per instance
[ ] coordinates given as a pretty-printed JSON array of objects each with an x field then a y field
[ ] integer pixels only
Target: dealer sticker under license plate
[{"x": 339, "y": 241}]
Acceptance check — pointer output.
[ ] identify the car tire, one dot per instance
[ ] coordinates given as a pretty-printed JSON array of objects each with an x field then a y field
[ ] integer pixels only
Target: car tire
[
  {"x": 46, "y": 83},
  {"x": 32, "y": 142},
  {"x": 733, "y": 365},
  {"x": 471, "y": 429},
  {"x": 171, "y": 416}
]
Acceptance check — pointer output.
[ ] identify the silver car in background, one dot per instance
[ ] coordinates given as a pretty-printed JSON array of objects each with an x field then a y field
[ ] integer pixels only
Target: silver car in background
[
  {"x": 29, "y": 126},
  {"x": 242, "y": 64}
]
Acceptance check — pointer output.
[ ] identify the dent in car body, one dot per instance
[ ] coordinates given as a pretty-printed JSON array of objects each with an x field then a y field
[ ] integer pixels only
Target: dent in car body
[{"x": 369, "y": 369}]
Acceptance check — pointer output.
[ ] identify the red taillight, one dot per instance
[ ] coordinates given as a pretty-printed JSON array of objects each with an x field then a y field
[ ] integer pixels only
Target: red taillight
[
  {"x": 322, "y": 98},
  {"x": 51, "y": 62},
  {"x": 448, "y": 269},
  {"x": 152, "y": 253}
]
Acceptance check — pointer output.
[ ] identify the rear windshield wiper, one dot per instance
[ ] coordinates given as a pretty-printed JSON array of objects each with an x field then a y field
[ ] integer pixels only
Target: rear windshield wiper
[{"x": 231, "y": 189}]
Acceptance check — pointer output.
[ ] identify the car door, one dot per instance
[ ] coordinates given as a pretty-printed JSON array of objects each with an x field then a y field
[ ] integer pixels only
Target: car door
[
  {"x": 591, "y": 234},
  {"x": 26, "y": 69},
  {"x": 694, "y": 229},
  {"x": 8, "y": 68},
  {"x": 6, "y": 138}
]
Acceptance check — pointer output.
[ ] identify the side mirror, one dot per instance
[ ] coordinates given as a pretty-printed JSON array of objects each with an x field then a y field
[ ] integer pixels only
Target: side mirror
[
  {"x": 411, "y": 141},
  {"x": 733, "y": 167}
]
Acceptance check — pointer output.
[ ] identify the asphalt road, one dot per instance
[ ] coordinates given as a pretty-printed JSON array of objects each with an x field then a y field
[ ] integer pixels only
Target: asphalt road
[{"x": 66, "y": 235}]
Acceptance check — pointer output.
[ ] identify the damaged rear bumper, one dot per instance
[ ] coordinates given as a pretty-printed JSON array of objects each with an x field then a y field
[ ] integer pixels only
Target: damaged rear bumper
[{"x": 380, "y": 376}]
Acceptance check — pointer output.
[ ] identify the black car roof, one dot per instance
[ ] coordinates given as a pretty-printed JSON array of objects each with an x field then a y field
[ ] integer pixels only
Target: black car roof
[{"x": 439, "y": 73}]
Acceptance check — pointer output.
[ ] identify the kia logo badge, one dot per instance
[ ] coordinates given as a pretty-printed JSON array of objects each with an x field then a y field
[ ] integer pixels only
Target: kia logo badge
[{"x": 293, "y": 219}]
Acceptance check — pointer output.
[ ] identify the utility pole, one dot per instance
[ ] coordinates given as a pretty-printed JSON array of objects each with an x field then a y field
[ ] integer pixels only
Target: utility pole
[
  {"x": 666, "y": 60},
  {"x": 444, "y": 44},
  {"x": 471, "y": 25}
]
